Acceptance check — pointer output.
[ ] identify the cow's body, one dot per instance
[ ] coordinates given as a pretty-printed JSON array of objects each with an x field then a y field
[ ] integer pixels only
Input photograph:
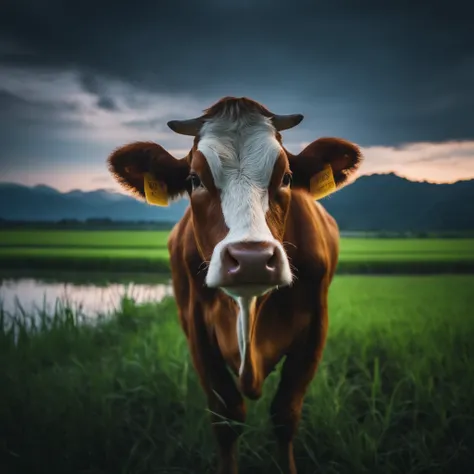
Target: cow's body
[
  {"x": 242, "y": 316},
  {"x": 279, "y": 319}
]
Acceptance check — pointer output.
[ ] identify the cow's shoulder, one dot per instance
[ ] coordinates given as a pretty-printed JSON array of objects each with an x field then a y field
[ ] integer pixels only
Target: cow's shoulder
[
  {"x": 178, "y": 241},
  {"x": 187, "y": 264}
]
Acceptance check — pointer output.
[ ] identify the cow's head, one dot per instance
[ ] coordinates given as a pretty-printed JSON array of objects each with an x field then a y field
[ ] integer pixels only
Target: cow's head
[{"x": 239, "y": 179}]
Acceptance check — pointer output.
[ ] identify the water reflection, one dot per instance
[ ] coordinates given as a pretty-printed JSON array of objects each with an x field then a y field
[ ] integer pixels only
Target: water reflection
[{"x": 92, "y": 293}]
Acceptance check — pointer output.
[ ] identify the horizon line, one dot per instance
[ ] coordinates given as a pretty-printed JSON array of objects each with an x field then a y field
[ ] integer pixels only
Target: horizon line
[{"x": 119, "y": 191}]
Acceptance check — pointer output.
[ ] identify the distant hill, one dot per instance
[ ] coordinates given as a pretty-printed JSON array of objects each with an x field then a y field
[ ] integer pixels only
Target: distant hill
[
  {"x": 390, "y": 203},
  {"x": 379, "y": 202},
  {"x": 43, "y": 203}
]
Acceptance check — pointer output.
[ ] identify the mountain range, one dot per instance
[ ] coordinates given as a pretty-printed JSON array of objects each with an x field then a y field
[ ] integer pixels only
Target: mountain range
[{"x": 378, "y": 202}]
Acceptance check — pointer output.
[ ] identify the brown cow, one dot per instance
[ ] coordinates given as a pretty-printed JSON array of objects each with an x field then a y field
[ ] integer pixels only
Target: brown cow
[{"x": 252, "y": 258}]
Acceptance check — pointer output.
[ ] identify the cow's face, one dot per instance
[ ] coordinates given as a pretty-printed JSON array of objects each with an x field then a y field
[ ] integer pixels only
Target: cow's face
[
  {"x": 239, "y": 178},
  {"x": 240, "y": 193}
]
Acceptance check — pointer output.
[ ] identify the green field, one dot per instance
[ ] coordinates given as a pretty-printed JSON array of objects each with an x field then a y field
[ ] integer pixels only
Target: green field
[
  {"x": 392, "y": 395},
  {"x": 147, "y": 251},
  {"x": 84, "y": 239}
]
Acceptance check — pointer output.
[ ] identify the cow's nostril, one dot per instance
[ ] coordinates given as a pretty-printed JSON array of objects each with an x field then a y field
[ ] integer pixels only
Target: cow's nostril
[
  {"x": 273, "y": 262},
  {"x": 231, "y": 264}
]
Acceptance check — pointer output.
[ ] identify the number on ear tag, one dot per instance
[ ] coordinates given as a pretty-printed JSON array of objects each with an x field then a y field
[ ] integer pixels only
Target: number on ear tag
[
  {"x": 155, "y": 191},
  {"x": 322, "y": 183}
]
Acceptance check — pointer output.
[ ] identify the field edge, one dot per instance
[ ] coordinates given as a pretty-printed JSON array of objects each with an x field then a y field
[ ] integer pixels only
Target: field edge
[{"x": 162, "y": 265}]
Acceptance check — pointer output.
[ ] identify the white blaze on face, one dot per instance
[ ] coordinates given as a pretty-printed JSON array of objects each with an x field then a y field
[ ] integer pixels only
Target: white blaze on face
[{"x": 241, "y": 155}]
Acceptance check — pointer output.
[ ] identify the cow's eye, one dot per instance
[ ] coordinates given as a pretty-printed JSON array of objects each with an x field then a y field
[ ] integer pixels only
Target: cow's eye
[
  {"x": 194, "y": 182},
  {"x": 286, "y": 181}
]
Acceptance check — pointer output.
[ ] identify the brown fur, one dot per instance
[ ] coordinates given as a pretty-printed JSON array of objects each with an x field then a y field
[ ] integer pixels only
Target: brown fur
[
  {"x": 234, "y": 106},
  {"x": 343, "y": 156},
  {"x": 128, "y": 164},
  {"x": 291, "y": 322}
]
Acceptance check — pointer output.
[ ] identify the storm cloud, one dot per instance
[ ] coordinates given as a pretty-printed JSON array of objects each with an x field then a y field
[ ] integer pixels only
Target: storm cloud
[{"x": 77, "y": 79}]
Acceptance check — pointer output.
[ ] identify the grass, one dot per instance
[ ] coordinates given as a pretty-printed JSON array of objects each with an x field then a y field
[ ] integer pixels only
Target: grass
[
  {"x": 84, "y": 239},
  {"x": 85, "y": 252},
  {"x": 392, "y": 395},
  {"x": 147, "y": 251}
]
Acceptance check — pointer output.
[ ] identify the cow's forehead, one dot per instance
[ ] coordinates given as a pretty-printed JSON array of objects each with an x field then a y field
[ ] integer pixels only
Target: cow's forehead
[{"x": 243, "y": 149}]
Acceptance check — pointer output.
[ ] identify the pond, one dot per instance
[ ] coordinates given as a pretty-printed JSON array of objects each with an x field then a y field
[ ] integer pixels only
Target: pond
[{"x": 92, "y": 293}]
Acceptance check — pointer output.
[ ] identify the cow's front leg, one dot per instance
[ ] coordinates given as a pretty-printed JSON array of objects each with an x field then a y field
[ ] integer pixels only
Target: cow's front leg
[
  {"x": 224, "y": 399},
  {"x": 227, "y": 407},
  {"x": 297, "y": 373}
]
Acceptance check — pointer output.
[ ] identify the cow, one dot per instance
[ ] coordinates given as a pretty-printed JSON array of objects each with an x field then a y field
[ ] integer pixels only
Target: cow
[{"x": 251, "y": 259}]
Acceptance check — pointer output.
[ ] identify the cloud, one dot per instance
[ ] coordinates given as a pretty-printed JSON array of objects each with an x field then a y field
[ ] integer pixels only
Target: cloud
[
  {"x": 64, "y": 107},
  {"x": 379, "y": 74},
  {"x": 435, "y": 162},
  {"x": 72, "y": 117},
  {"x": 77, "y": 81},
  {"x": 107, "y": 103},
  {"x": 91, "y": 84},
  {"x": 65, "y": 179},
  {"x": 99, "y": 179}
]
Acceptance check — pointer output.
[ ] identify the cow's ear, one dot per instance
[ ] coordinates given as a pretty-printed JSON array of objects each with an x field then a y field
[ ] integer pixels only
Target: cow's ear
[
  {"x": 149, "y": 172},
  {"x": 324, "y": 165}
]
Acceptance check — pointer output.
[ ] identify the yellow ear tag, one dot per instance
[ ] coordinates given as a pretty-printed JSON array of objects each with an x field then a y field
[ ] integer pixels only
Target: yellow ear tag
[
  {"x": 155, "y": 191},
  {"x": 322, "y": 183}
]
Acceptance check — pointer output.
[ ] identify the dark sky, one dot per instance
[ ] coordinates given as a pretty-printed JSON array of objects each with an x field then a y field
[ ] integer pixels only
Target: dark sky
[{"x": 77, "y": 80}]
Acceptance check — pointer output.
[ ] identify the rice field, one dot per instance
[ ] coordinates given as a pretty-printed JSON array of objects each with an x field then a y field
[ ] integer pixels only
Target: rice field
[
  {"x": 393, "y": 393},
  {"x": 147, "y": 251}
]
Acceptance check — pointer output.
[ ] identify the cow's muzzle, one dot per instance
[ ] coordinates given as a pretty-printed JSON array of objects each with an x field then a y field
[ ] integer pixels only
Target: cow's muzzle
[{"x": 252, "y": 264}]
